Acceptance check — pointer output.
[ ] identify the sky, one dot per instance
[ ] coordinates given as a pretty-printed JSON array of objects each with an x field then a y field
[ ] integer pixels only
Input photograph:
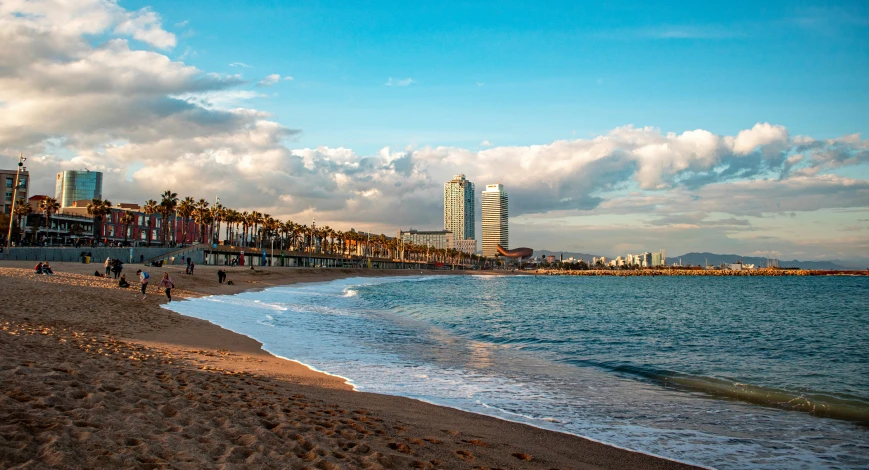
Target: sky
[{"x": 729, "y": 127}]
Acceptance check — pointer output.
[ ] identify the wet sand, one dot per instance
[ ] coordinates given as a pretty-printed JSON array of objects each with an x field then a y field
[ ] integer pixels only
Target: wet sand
[{"x": 92, "y": 376}]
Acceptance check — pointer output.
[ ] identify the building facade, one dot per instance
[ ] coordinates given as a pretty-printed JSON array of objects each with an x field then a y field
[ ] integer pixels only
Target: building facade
[
  {"x": 495, "y": 215},
  {"x": 468, "y": 247},
  {"x": 459, "y": 208},
  {"x": 7, "y": 182},
  {"x": 439, "y": 239},
  {"x": 71, "y": 186}
]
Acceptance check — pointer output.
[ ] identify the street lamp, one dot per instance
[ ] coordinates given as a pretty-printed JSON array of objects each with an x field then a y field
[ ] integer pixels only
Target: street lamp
[{"x": 21, "y": 168}]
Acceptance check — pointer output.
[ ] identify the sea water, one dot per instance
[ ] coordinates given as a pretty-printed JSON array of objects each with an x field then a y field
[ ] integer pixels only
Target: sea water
[{"x": 726, "y": 372}]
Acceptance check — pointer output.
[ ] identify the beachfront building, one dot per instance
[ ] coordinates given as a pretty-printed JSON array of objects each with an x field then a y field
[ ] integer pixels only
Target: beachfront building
[
  {"x": 468, "y": 247},
  {"x": 72, "y": 186},
  {"x": 495, "y": 216},
  {"x": 7, "y": 182},
  {"x": 143, "y": 230},
  {"x": 459, "y": 203},
  {"x": 439, "y": 239}
]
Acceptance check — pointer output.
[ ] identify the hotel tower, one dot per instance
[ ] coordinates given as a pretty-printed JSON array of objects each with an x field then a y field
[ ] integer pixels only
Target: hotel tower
[
  {"x": 495, "y": 229},
  {"x": 459, "y": 212}
]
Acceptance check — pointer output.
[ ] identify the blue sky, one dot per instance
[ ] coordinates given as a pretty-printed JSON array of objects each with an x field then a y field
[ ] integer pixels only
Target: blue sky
[
  {"x": 625, "y": 127},
  {"x": 518, "y": 73}
]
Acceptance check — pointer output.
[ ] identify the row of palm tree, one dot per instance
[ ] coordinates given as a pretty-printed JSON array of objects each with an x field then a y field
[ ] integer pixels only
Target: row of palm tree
[{"x": 256, "y": 229}]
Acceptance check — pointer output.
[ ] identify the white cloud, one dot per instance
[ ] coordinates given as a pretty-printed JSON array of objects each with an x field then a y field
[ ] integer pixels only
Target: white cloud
[
  {"x": 240, "y": 64},
  {"x": 144, "y": 25},
  {"x": 485, "y": 143},
  {"x": 272, "y": 79},
  {"x": 182, "y": 24},
  {"x": 399, "y": 82},
  {"x": 761, "y": 135}
]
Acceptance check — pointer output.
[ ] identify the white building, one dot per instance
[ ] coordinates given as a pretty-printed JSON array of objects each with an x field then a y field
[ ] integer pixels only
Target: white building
[
  {"x": 439, "y": 239},
  {"x": 466, "y": 246},
  {"x": 459, "y": 208},
  {"x": 495, "y": 215}
]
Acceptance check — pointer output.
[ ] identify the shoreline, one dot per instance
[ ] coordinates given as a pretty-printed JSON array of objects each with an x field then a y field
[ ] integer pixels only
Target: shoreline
[
  {"x": 232, "y": 368},
  {"x": 354, "y": 388}
]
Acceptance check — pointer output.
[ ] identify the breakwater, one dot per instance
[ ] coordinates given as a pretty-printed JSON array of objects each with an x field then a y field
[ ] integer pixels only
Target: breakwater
[{"x": 698, "y": 272}]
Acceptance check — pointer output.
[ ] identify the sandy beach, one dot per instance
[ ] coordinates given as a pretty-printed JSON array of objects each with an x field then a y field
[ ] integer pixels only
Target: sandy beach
[{"x": 92, "y": 376}]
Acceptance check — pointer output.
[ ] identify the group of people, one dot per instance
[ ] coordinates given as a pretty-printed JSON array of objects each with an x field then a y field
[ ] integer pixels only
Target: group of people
[
  {"x": 190, "y": 265},
  {"x": 43, "y": 268},
  {"x": 113, "y": 266},
  {"x": 144, "y": 278}
]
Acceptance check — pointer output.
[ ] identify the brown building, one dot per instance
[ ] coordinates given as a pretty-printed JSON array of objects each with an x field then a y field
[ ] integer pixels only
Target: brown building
[{"x": 7, "y": 182}]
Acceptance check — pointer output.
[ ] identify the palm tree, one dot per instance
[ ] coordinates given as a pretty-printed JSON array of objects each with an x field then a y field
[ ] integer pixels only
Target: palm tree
[
  {"x": 256, "y": 220},
  {"x": 99, "y": 208},
  {"x": 48, "y": 206},
  {"x": 22, "y": 210},
  {"x": 200, "y": 216},
  {"x": 150, "y": 209},
  {"x": 185, "y": 210},
  {"x": 168, "y": 205},
  {"x": 218, "y": 213},
  {"x": 126, "y": 220}
]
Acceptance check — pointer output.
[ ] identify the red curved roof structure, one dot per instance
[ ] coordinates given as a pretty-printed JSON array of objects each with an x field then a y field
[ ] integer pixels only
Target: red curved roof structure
[{"x": 515, "y": 253}]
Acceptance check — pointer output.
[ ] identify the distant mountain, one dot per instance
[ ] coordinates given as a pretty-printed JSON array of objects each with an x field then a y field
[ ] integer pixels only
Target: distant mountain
[
  {"x": 567, "y": 254},
  {"x": 699, "y": 259}
]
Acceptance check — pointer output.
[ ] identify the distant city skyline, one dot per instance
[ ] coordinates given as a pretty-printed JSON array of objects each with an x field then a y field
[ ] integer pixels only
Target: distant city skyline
[{"x": 728, "y": 127}]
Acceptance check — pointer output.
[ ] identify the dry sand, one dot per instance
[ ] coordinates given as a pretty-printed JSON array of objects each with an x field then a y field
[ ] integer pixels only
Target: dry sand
[{"x": 92, "y": 376}]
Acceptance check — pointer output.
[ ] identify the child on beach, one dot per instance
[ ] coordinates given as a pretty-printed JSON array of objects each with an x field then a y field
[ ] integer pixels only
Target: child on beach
[
  {"x": 167, "y": 284},
  {"x": 143, "y": 279},
  {"x": 123, "y": 282}
]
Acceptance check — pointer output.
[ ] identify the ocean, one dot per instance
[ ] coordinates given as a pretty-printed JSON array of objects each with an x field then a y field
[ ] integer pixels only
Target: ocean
[{"x": 724, "y": 372}]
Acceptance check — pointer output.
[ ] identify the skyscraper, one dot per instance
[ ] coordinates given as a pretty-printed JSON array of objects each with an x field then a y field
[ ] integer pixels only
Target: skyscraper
[
  {"x": 459, "y": 208},
  {"x": 72, "y": 186},
  {"x": 495, "y": 229}
]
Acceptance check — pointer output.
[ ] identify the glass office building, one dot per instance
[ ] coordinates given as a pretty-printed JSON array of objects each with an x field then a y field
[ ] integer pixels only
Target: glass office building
[{"x": 74, "y": 186}]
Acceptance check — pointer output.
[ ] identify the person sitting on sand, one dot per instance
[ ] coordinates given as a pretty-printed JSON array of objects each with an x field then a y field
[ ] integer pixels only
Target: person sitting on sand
[
  {"x": 167, "y": 284},
  {"x": 123, "y": 282},
  {"x": 46, "y": 269},
  {"x": 38, "y": 268}
]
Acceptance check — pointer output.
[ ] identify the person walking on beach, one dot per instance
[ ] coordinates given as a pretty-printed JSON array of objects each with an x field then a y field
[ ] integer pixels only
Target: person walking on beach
[
  {"x": 167, "y": 284},
  {"x": 108, "y": 265},
  {"x": 221, "y": 276},
  {"x": 143, "y": 279},
  {"x": 192, "y": 265},
  {"x": 117, "y": 267}
]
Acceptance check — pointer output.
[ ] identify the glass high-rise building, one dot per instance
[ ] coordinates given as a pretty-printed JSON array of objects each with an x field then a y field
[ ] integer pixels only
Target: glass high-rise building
[
  {"x": 459, "y": 208},
  {"x": 72, "y": 186},
  {"x": 495, "y": 214}
]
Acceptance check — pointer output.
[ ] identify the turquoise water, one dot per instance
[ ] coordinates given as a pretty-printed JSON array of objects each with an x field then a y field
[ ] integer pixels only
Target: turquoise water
[{"x": 723, "y": 372}]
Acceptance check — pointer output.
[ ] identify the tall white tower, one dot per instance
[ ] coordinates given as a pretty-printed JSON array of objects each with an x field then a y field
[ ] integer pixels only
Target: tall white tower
[
  {"x": 495, "y": 214},
  {"x": 459, "y": 208}
]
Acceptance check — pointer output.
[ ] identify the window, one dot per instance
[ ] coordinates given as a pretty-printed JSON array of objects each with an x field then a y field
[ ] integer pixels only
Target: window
[
  {"x": 8, "y": 195},
  {"x": 9, "y": 182},
  {"x": 22, "y": 182}
]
